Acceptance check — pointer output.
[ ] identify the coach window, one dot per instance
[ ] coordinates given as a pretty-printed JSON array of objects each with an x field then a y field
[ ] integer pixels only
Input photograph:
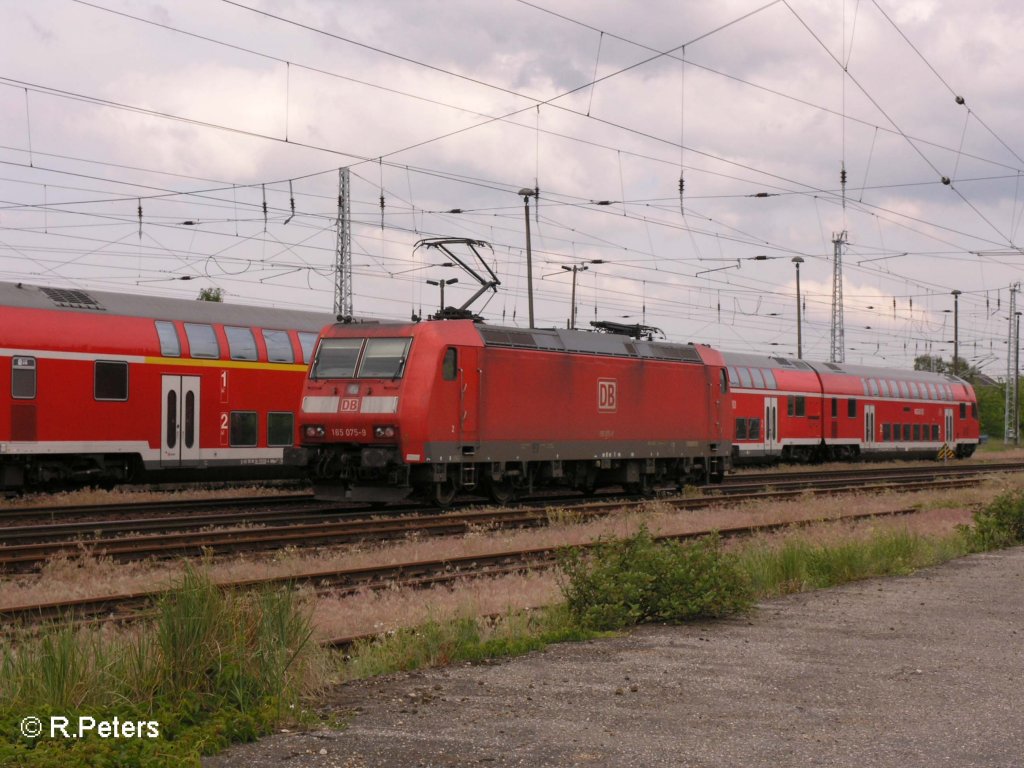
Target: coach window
[
  {"x": 280, "y": 428},
  {"x": 110, "y": 380},
  {"x": 741, "y": 429},
  {"x": 906, "y": 433},
  {"x": 873, "y": 387},
  {"x": 745, "y": 379},
  {"x": 241, "y": 344},
  {"x": 190, "y": 419},
  {"x": 769, "y": 379},
  {"x": 202, "y": 340},
  {"x": 450, "y": 364},
  {"x": 935, "y": 432},
  {"x": 963, "y": 410},
  {"x": 886, "y": 433},
  {"x": 243, "y": 428},
  {"x": 884, "y": 386},
  {"x": 758, "y": 378},
  {"x": 170, "y": 344},
  {"x": 796, "y": 405},
  {"x": 734, "y": 378},
  {"x": 279, "y": 346},
  {"x": 754, "y": 432},
  {"x": 851, "y": 408},
  {"x": 308, "y": 343},
  {"x": 23, "y": 378},
  {"x": 917, "y": 433},
  {"x": 974, "y": 411},
  {"x": 835, "y": 407},
  {"x": 384, "y": 358},
  {"x": 172, "y": 419},
  {"x": 904, "y": 391}
]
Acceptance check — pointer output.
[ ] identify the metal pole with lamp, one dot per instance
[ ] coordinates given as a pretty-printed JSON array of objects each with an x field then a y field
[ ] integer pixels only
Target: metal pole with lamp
[{"x": 797, "y": 260}]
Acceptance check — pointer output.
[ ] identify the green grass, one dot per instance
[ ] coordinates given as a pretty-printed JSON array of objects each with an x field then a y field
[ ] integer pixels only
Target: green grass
[
  {"x": 468, "y": 638},
  {"x": 213, "y": 668}
]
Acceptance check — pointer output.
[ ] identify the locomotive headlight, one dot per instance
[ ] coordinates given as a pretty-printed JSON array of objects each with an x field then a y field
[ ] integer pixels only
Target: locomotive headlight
[
  {"x": 384, "y": 432},
  {"x": 313, "y": 430}
]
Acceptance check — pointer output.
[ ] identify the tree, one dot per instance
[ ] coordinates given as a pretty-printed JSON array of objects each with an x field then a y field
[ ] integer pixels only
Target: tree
[
  {"x": 936, "y": 364},
  {"x": 211, "y": 294}
]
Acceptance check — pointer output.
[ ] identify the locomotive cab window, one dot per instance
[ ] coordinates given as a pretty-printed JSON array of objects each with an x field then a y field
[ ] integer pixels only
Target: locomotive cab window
[
  {"x": 384, "y": 358},
  {"x": 170, "y": 344},
  {"x": 450, "y": 364},
  {"x": 23, "y": 378},
  {"x": 279, "y": 346},
  {"x": 110, "y": 380},
  {"x": 202, "y": 340},
  {"x": 241, "y": 344},
  {"x": 723, "y": 380},
  {"x": 336, "y": 359}
]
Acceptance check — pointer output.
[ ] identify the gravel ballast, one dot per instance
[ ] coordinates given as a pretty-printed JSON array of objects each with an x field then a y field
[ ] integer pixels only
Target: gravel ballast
[{"x": 925, "y": 670}]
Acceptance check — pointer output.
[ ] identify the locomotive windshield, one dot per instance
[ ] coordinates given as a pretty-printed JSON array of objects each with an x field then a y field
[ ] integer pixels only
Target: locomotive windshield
[
  {"x": 336, "y": 359},
  {"x": 341, "y": 358}
]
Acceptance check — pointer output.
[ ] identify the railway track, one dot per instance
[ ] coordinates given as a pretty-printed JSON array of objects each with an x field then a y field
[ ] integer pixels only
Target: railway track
[
  {"x": 415, "y": 574},
  {"x": 311, "y": 524},
  {"x": 303, "y": 521}
]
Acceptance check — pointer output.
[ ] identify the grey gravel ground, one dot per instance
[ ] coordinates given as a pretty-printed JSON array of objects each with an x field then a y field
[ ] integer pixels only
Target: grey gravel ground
[{"x": 926, "y": 670}]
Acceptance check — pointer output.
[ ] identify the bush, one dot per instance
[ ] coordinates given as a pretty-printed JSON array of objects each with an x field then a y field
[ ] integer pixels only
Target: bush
[
  {"x": 1000, "y": 524},
  {"x": 635, "y": 580}
]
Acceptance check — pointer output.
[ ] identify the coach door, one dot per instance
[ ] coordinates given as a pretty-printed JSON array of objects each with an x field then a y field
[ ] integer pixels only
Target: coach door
[
  {"x": 950, "y": 437},
  {"x": 771, "y": 425},
  {"x": 869, "y": 426},
  {"x": 179, "y": 421}
]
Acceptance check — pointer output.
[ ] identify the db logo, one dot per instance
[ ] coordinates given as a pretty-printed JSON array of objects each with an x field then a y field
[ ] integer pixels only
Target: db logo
[
  {"x": 607, "y": 395},
  {"x": 349, "y": 405}
]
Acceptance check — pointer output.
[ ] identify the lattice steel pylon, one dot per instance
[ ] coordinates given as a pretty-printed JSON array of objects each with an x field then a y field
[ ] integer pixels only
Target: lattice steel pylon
[
  {"x": 838, "y": 351},
  {"x": 343, "y": 254},
  {"x": 1010, "y": 431}
]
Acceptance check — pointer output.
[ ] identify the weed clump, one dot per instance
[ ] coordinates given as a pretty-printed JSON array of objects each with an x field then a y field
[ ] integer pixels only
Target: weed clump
[
  {"x": 635, "y": 580},
  {"x": 998, "y": 525}
]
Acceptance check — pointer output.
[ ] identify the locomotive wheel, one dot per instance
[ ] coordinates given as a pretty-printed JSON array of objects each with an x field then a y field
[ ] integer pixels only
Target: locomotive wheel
[
  {"x": 444, "y": 493},
  {"x": 500, "y": 491}
]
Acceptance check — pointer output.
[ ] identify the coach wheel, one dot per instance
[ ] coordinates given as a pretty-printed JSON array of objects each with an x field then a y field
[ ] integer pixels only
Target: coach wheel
[{"x": 444, "y": 493}]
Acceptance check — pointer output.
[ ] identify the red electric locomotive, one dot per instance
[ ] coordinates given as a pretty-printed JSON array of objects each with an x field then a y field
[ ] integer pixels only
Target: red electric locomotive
[
  {"x": 445, "y": 406},
  {"x": 105, "y": 387},
  {"x": 795, "y": 410}
]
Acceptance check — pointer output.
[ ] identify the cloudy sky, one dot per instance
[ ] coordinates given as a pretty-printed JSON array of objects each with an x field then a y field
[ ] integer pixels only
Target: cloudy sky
[{"x": 227, "y": 122}]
